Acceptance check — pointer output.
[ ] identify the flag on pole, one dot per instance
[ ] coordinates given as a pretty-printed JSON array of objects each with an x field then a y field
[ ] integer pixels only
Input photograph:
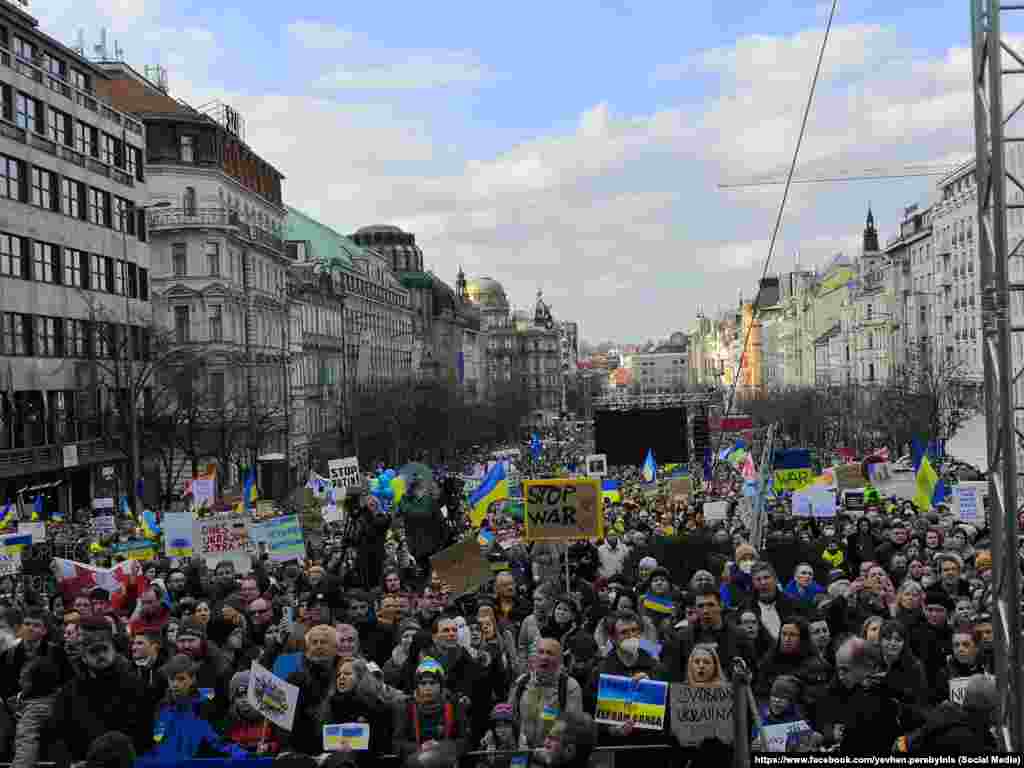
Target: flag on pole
[
  {"x": 649, "y": 471},
  {"x": 612, "y": 491},
  {"x": 249, "y": 488},
  {"x": 536, "y": 447},
  {"x": 150, "y": 527},
  {"x": 708, "y": 474},
  {"x": 37, "y": 509},
  {"x": 7, "y": 516}
]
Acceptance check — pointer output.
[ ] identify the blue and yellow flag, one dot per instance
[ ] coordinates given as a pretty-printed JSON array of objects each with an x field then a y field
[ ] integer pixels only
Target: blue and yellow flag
[
  {"x": 494, "y": 487},
  {"x": 249, "y": 488},
  {"x": 658, "y": 603},
  {"x": 7, "y": 516},
  {"x": 649, "y": 471},
  {"x": 931, "y": 489},
  {"x": 150, "y": 527},
  {"x": 612, "y": 491},
  {"x": 37, "y": 509}
]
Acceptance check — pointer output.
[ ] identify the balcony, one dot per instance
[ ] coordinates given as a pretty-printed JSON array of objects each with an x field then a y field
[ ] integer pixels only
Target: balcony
[
  {"x": 48, "y": 458},
  {"x": 177, "y": 218}
]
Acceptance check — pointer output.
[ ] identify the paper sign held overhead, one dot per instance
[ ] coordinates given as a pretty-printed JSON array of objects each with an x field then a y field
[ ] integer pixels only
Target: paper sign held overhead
[
  {"x": 563, "y": 510},
  {"x": 272, "y": 697},
  {"x": 223, "y": 539},
  {"x": 462, "y": 566},
  {"x": 700, "y": 713},
  {"x": 344, "y": 473},
  {"x": 597, "y": 465}
]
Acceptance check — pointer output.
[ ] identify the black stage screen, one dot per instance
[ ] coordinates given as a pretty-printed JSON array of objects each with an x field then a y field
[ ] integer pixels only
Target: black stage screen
[{"x": 625, "y": 436}]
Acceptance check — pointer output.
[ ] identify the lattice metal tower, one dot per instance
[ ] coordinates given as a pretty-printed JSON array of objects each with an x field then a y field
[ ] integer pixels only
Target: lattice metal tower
[{"x": 997, "y": 69}]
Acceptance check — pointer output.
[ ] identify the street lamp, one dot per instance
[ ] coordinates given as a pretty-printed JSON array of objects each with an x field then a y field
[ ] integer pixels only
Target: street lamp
[{"x": 135, "y": 465}]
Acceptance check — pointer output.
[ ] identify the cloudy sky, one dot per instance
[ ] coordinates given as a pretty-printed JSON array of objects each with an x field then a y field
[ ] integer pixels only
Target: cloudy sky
[{"x": 574, "y": 147}]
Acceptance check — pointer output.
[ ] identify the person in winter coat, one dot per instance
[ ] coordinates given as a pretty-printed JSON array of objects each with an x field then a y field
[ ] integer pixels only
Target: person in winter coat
[
  {"x": 246, "y": 727},
  {"x": 392, "y": 668},
  {"x": 354, "y": 702},
  {"x": 964, "y": 662},
  {"x": 182, "y": 730},
  {"x": 737, "y": 581},
  {"x": 424, "y": 525},
  {"x": 316, "y": 681},
  {"x": 40, "y": 681},
  {"x": 861, "y": 546},
  {"x": 108, "y": 696},
  {"x": 793, "y": 655},
  {"x": 781, "y": 707},
  {"x": 432, "y": 728},
  {"x": 954, "y": 730},
  {"x": 34, "y": 640},
  {"x": 904, "y": 671},
  {"x": 803, "y": 588},
  {"x": 212, "y": 671},
  {"x": 503, "y": 735}
]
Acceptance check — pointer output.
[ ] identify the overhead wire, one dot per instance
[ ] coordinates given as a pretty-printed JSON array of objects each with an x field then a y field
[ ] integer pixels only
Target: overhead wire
[{"x": 775, "y": 230}]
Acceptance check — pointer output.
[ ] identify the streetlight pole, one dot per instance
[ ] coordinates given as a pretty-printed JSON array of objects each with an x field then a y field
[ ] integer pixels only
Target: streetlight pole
[{"x": 135, "y": 462}]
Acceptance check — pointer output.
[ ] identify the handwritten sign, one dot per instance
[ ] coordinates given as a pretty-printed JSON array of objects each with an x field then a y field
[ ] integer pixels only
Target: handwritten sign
[
  {"x": 715, "y": 511},
  {"x": 563, "y": 510},
  {"x": 958, "y": 689},
  {"x": 781, "y": 735},
  {"x": 344, "y": 472},
  {"x": 356, "y": 736},
  {"x": 623, "y": 699},
  {"x": 814, "y": 502},
  {"x": 462, "y": 566},
  {"x": 283, "y": 537},
  {"x": 700, "y": 713},
  {"x": 848, "y": 476},
  {"x": 223, "y": 539},
  {"x": 793, "y": 479},
  {"x": 597, "y": 465}
]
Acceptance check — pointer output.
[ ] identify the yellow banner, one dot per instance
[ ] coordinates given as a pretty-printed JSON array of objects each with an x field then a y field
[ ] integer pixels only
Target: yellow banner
[{"x": 793, "y": 479}]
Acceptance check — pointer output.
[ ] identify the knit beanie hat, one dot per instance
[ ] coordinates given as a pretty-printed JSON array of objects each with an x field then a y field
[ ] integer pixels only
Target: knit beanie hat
[
  {"x": 745, "y": 551},
  {"x": 786, "y": 687},
  {"x": 239, "y": 681},
  {"x": 648, "y": 562},
  {"x": 503, "y": 713},
  {"x": 430, "y": 666},
  {"x": 178, "y": 663},
  {"x": 983, "y": 560},
  {"x": 660, "y": 571},
  {"x": 192, "y": 628}
]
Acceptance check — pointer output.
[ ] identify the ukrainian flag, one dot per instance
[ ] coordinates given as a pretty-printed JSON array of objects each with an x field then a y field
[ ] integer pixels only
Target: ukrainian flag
[
  {"x": 249, "y": 488},
  {"x": 494, "y": 487},
  {"x": 486, "y": 537},
  {"x": 658, "y": 603},
  {"x": 649, "y": 471},
  {"x": 930, "y": 489},
  {"x": 150, "y": 527},
  {"x": 611, "y": 490},
  {"x": 37, "y": 509},
  {"x": 7, "y": 516}
]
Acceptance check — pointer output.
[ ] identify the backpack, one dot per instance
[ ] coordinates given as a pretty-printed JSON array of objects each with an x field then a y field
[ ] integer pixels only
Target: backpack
[{"x": 563, "y": 692}]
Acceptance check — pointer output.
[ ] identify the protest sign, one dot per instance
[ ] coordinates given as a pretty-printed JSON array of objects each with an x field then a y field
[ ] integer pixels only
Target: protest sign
[
  {"x": 355, "y": 736},
  {"x": 204, "y": 492},
  {"x": 957, "y": 689},
  {"x": 681, "y": 486},
  {"x": 623, "y": 699},
  {"x": 178, "y": 534},
  {"x": 344, "y": 473},
  {"x": 848, "y": 476},
  {"x": 715, "y": 511},
  {"x": 563, "y": 510},
  {"x": 969, "y": 501},
  {"x": 793, "y": 479},
  {"x": 462, "y": 566},
  {"x": 283, "y": 537},
  {"x": 597, "y": 465},
  {"x": 223, "y": 539},
  {"x": 136, "y": 549},
  {"x": 700, "y": 713},
  {"x": 36, "y": 530},
  {"x": 272, "y": 697},
  {"x": 780, "y": 735},
  {"x": 853, "y": 500},
  {"x": 814, "y": 502},
  {"x": 10, "y": 552}
]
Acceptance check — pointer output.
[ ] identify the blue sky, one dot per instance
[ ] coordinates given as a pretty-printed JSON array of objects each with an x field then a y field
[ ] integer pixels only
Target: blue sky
[{"x": 573, "y": 147}]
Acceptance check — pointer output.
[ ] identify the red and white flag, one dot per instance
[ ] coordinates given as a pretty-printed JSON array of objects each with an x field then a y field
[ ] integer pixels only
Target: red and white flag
[
  {"x": 882, "y": 454},
  {"x": 125, "y": 581}
]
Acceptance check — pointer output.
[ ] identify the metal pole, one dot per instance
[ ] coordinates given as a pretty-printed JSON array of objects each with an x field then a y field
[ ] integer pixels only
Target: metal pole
[
  {"x": 135, "y": 459},
  {"x": 998, "y": 360}
]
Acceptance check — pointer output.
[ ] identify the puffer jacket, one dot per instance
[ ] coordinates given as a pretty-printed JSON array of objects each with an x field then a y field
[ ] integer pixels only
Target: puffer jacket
[
  {"x": 28, "y": 736},
  {"x": 182, "y": 733}
]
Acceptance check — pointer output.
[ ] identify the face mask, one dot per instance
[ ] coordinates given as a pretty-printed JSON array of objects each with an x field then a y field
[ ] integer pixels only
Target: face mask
[
  {"x": 630, "y": 647},
  {"x": 747, "y": 566}
]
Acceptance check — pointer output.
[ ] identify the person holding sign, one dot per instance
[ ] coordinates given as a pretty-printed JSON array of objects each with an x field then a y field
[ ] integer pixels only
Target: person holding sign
[
  {"x": 354, "y": 702},
  {"x": 965, "y": 661}
]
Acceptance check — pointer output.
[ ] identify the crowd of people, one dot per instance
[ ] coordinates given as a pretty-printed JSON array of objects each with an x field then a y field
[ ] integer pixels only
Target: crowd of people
[{"x": 878, "y": 638}]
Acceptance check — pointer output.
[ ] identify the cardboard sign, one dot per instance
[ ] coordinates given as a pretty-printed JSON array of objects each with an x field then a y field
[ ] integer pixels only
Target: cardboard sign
[
  {"x": 958, "y": 689},
  {"x": 563, "y": 510},
  {"x": 344, "y": 473},
  {"x": 969, "y": 501},
  {"x": 220, "y": 539},
  {"x": 623, "y": 699},
  {"x": 793, "y": 479},
  {"x": 700, "y": 713},
  {"x": 356, "y": 736},
  {"x": 597, "y": 465},
  {"x": 272, "y": 697},
  {"x": 462, "y": 566},
  {"x": 848, "y": 476},
  {"x": 715, "y": 511},
  {"x": 136, "y": 549},
  {"x": 681, "y": 486},
  {"x": 779, "y": 736}
]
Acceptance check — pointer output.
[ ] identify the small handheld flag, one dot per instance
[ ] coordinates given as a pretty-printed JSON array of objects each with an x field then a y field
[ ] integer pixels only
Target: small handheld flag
[
  {"x": 649, "y": 471},
  {"x": 37, "y": 509}
]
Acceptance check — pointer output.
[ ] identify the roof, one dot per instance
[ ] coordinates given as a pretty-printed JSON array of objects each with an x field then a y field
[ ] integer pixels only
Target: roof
[
  {"x": 379, "y": 228},
  {"x": 324, "y": 242}
]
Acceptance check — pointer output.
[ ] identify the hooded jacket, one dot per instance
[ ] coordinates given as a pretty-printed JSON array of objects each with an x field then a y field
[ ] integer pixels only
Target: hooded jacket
[
  {"x": 805, "y": 597},
  {"x": 182, "y": 733},
  {"x": 805, "y": 665}
]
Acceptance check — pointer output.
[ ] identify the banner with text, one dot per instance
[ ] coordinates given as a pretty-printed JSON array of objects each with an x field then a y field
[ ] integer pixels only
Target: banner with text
[
  {"x": 563, "y": 510},
  {"x": 282, "y": 537},
  {"x": 700, "y": 713},
  {"x": 344, "y": 473},
  {"x": 223, "y": 539},
  {"x": 623, "y": 699}
]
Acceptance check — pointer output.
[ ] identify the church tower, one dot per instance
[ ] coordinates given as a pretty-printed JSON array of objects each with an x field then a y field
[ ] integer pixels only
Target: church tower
[
  {"x": 460, "y": 285},
  {"x": 870, "y": 234}
]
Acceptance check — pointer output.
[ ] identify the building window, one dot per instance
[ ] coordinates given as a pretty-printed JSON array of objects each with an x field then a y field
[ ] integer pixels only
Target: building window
[
  {"x": 132, "y": 276},
  {"x": 133, "y": 156},
  {"x": 99, "y": 207},
  {"x": 189, "y": 201},
  {"x": 213, "y": 258},
  {"x": 74, "y": 268},
  {"x": 110, "y": 150},
  {"x": 143, "y": 284},
  {"x": 57, "y": 123},
  {"x": 48, "y": 337},
  {"x": 120, "y": 268},
  {"x": 15, "y": 334},
  {"x": 105, "y": 340},
  {"x": 10, "y": 178},
  {"x": 217, "y": 388},
  {"x": 187, "y": 149},
  {"x": 80, "y": 80},
  {"x": 26, "y": 112},
  {"x": 12, "y": 263},
  {"x": 76, "y": 335},
  {"x": 23, "y": 49},
  {"x": 85, "y": 139},
  {"x": 71, "y": 197},
  {"x": 179, "y": 259},
  {"x": 45, "y": 263},
  {"x": 98, "y": 273},
  {"x": 120, "y": 213},
  {"x": 181, "y": 324},
  {"x": 41, "y": 188}
]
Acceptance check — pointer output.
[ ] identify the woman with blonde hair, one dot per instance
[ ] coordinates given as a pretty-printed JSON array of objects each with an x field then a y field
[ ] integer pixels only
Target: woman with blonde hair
[{"x": 703, "y": 668}]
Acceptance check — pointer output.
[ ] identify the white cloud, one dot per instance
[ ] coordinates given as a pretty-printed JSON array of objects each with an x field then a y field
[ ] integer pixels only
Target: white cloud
[
  {"x": 411, "y": 70},
  {"x": 318, "y": 35}
]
